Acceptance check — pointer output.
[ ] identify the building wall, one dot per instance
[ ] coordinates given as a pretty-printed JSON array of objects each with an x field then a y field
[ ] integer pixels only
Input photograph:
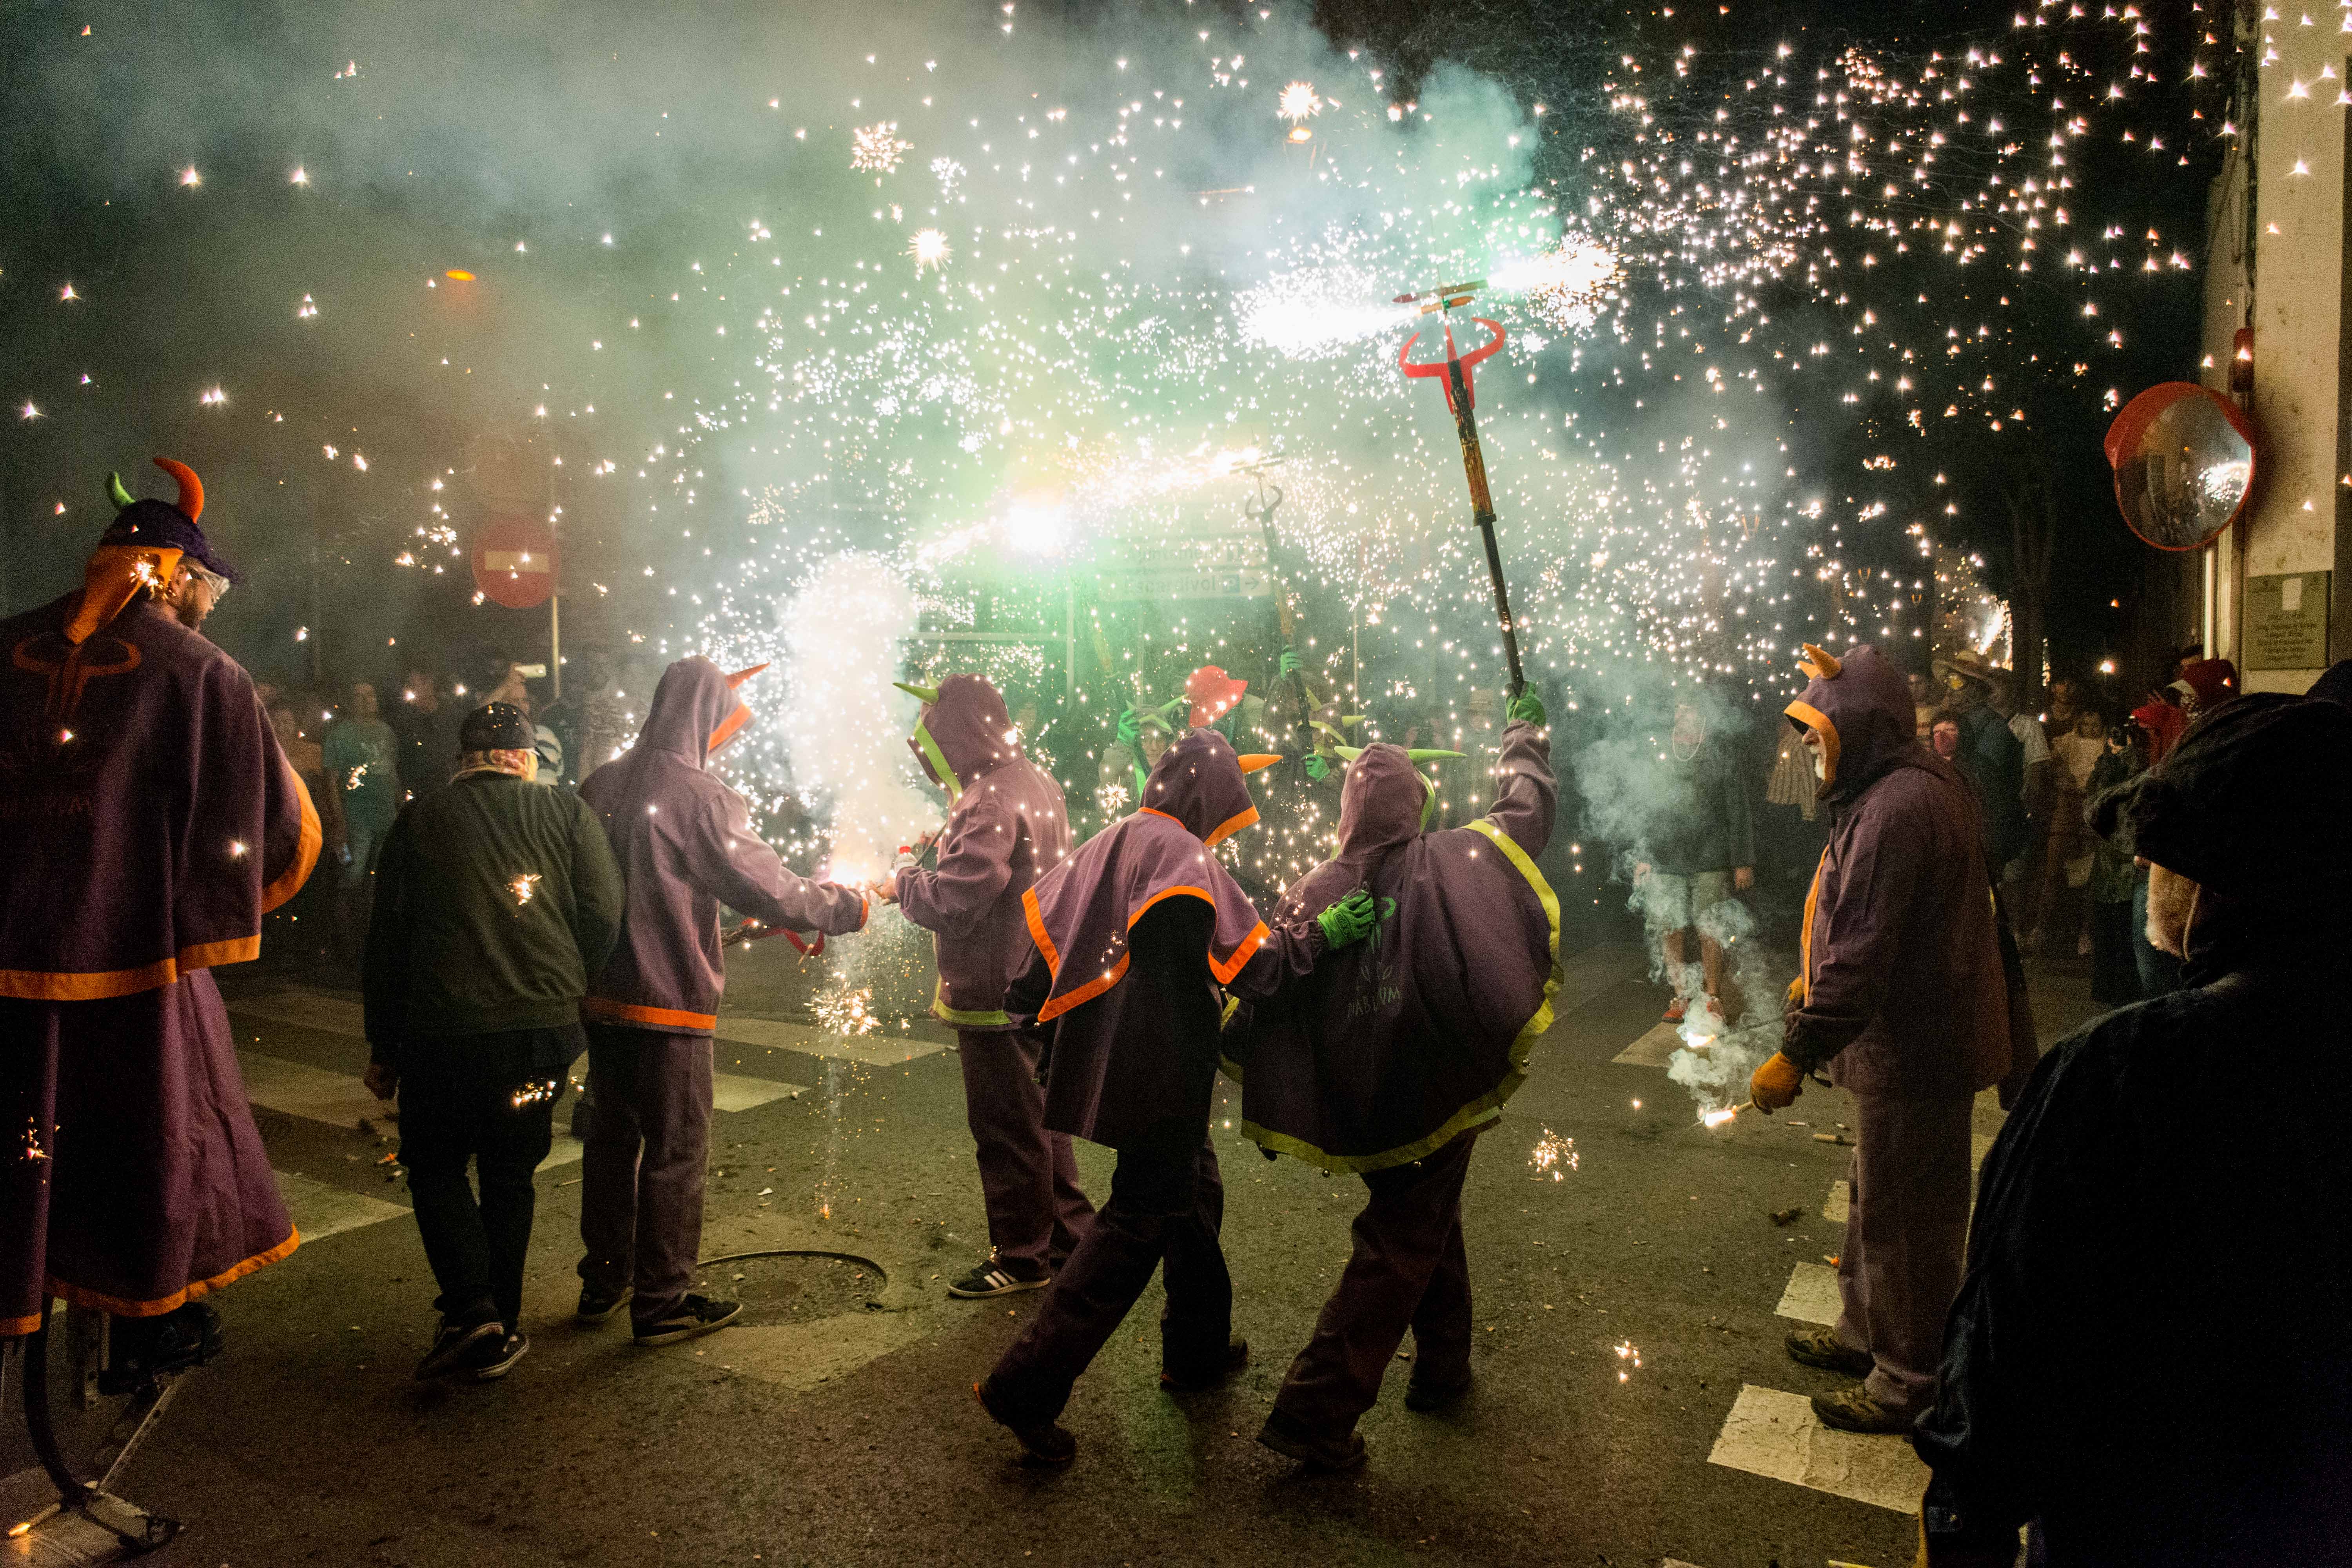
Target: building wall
[{"x": 2300, "y": 517}]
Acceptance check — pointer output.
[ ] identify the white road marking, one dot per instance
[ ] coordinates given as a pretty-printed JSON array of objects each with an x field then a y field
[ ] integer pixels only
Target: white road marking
[
  {"x": 867, "y": 1050},
  {"x": 339, "y": 1099},
  {"x": 1840, "y": 1202},
  {"x": 1773, "y": 1434},
  {"x": 321, "y": 1211},
  {"x": 1811, "y": 1296},
  {"x": 1653, "y": 1048}
]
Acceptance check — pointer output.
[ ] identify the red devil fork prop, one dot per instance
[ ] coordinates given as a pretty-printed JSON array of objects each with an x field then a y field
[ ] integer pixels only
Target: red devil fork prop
[{"x": 1453, "y": 371}]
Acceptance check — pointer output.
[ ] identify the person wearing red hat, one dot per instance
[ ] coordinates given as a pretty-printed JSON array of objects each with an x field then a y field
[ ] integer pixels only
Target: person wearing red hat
[
  {"x": 2204, "y": 685},
  {"x": 686, "y": 845},
  {"x": 152, "y": 821}
]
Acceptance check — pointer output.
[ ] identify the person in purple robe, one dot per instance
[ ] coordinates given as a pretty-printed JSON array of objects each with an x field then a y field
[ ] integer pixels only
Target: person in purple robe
[
  {"x": 152, "y": 821},
  {"x": 1391, "y": 1057},
  {"x": 1131, "y": 939},
  {"x": 686, "y": 845},
  {"x": 1902, "y": 996},
  {"x": 1006, "y": 825}
]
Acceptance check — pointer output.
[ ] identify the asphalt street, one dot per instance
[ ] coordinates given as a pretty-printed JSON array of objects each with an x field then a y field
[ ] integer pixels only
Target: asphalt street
[{"x": 1633, "y": 1402}]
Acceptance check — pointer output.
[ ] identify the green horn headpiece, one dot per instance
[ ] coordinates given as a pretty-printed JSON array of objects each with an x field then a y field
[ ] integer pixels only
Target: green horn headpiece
[
  {"x": 1416, "y": 756},
  {"x": 920, "y": 693},
  {"x": 116, "y": 493}
]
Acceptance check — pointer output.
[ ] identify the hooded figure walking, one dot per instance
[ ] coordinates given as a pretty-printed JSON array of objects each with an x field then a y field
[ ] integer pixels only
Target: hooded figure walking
[
  {"x": 2114, "y": 1227},
  {"x": 1391, "y": 1057},
  {"x": 1130, "y": 938},
  {"x": 686, "y": 845},
  {"x": 151, "y": 822},
  {"x": 1903, "y": 996},
  {"x": 1006, "y": 825}
]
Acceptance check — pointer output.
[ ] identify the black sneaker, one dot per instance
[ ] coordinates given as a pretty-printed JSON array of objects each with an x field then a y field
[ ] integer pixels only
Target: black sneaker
[
  {"x": 696, "y": 1316},
  {"x": 1823, "y": 1349},
  {"x": 1432, "y": 1398},
  {"x": 496, "y": 1357},
  {"x": 1200, "y": 1380},
  {"x": 1049, "y": 1444},
  {"x": 454, "y": 1344},
  {"x": 993, "y": 1278},
  {"x": 595, "y": 1306},
  {"x": 1324, "y": 1455}
]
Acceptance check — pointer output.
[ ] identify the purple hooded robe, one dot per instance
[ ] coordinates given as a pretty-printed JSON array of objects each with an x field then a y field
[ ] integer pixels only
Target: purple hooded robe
[
  {"x": 151, "y": 822},
  {"x": 1114, "y": 1070},
  {"x": 685, "y": 844},
  {"x": 1006, "y": 824},
  {"x": 1395, "y": 1046},
  {"x": 1900, "y": 989}
]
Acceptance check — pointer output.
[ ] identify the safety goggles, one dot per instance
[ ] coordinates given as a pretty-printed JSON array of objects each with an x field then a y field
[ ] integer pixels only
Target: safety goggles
[{"x": 213, "y": 580}]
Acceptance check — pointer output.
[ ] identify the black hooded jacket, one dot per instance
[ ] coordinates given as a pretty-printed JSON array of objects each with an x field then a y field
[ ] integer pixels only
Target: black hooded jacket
[{"x": 2150, "y": 1353}]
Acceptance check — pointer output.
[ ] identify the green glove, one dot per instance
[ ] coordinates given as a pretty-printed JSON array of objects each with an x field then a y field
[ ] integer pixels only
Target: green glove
[
  {"x": 1290, "y": 662},
  {"x": 1350, "y": 920},
  {"x": 1527, "y": 707},
  {"x": 1317, "y": 768},
  {"x": 1127, "y": 729}
]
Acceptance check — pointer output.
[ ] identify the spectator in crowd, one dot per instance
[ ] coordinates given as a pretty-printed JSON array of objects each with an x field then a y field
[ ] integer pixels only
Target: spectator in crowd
[
  {"x": 1990, "y": 759},
  {"x": 2058, "y": 904},
  {"x": 426, "y": 727},
  {"x": 607, "y": 723},
  {"x": 1701, "y": 849},
  {"x": 2114, "y": 974},
  {"x": 2033, "y": 744},
  {"x": 1943, "y": 739},
  {"x": 495, "y": 903},
  {"x": 316, "y": 902},
  {"x": 1925, "y": 704},
  {"x": 2118, "y": 1220},
  {"x": 364, "y": 775},
  {"x": 2065, "y": 702},
  {"x": 2162, "y": 724},
  {"x": 1901, "y": 996},
  {"x": 684, "y": 842},
  {"x": 2204, "y": 684}
]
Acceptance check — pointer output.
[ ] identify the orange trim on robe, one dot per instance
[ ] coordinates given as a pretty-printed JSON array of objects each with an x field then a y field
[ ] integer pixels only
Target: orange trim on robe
[
  {"x": 1200, "y": 893},
  {"x": 660, "y": 1017},
  {"x": 98, "y": 985},
  {"x": 99, "y": 1302},
  {"x": 1241, "y": 955},
  {"x": 1037, "y": 932},
  {"x": 1230, "y": 827},
  {"x": 17, "y": 1328},
  {"x": 1806, "y": 713},
  {"x": 727, "y": 728},
  {"x": 306, "y": 853},
  {"x": 1086, "y": 993}
]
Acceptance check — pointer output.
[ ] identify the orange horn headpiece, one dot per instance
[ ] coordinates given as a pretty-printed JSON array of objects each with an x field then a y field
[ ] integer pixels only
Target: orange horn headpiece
[
  {"x": 1819, "y": 665},
  {"x": 192, "y": 489},
  {"x": 1252, "y": 761},
  {"x": 741, "y": 676}
]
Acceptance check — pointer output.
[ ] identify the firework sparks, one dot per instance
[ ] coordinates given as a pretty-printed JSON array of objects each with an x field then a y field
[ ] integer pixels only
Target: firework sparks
[
  {"x": 524, "y": 887},
  {"x": 877, "y": 148},
  {"x": 1553, "y": 1156},
  {"x": 930, "y": 249},
  {"x": 1298, "y": 102}
]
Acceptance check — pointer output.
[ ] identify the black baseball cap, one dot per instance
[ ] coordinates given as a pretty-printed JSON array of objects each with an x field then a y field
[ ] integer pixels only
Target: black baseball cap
[{"x": 496, "y": 727}]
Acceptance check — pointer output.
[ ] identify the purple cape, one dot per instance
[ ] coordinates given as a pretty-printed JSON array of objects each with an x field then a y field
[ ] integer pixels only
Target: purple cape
[
  {"x": 1006, "y": 825},
  {"x": 1079, "y": 913},
  {"x": 1394, "y": 1046},
  {"x": 152, "y": 821}
]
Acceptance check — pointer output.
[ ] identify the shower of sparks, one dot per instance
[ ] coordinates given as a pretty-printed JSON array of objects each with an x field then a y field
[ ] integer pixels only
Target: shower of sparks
[
  {"x": 1630, "y": 1355},
  {"x": 1298, "y": 102},
  {"x": 1553, "y": 1156},
  {"x": 930, "y": 249},
  {"x": 536, "y": 1092},
  {"x": 877, "y": 148},
  {"x": 844, "y": 1011},
  {"x": 523, "y": 888}
]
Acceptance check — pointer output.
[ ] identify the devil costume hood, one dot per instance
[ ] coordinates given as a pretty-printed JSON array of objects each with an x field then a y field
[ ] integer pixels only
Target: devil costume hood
[
  {"x": 1006, "y": 824},
  {"x": 1395, "y": 1046},
  {"x": 686, "y": 845},
  {"x": 1112, "y": 1072},
  {"x": 2118, "y": 1220},
  {"x": 1901, "y": 989},
  {"x": 152, "y": 821}
]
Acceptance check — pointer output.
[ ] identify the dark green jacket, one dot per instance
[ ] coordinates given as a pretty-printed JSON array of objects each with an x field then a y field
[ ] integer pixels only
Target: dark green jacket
[{"x": 496, "y": 899}]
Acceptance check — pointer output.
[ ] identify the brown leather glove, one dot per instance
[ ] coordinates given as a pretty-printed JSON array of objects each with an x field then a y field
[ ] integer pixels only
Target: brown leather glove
[{"x": 1776, "y": 1085}]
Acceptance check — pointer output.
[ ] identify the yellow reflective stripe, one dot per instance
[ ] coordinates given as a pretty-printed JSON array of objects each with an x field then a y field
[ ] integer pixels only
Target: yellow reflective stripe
[{"x": 993, "y": 1018}]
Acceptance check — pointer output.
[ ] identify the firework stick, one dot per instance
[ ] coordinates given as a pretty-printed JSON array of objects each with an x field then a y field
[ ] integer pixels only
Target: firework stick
[{"x": 1482, "y": 507}]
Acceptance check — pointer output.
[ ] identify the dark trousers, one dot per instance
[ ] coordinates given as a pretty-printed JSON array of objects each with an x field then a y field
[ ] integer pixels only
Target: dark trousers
[
  {"x": 490, "y": 1099},
  {"x": 1036, "y": 1211},
  {"x": 1907, "y": 1229},
  {"x": 1167, "y": 1204},
  {"x": 1408, "y": 1269},
  {"x": 648, "y": 1143}
]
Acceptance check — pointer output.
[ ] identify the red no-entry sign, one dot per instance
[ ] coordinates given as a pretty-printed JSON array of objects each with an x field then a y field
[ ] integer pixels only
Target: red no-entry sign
[{"x": 514, "y": 560}]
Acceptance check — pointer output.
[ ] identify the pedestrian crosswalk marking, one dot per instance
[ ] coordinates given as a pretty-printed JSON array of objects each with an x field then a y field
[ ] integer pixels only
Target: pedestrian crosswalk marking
[
  {"x": 867, "y": 1050},
  {"x": 321, "y": 1211},
  {"x": 1839, "y": 1203},
  {"x": 1811, "y": 1296},
  {"x": 1653, "y": 1049},
  {"x": 1769, "y": 1432}
]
